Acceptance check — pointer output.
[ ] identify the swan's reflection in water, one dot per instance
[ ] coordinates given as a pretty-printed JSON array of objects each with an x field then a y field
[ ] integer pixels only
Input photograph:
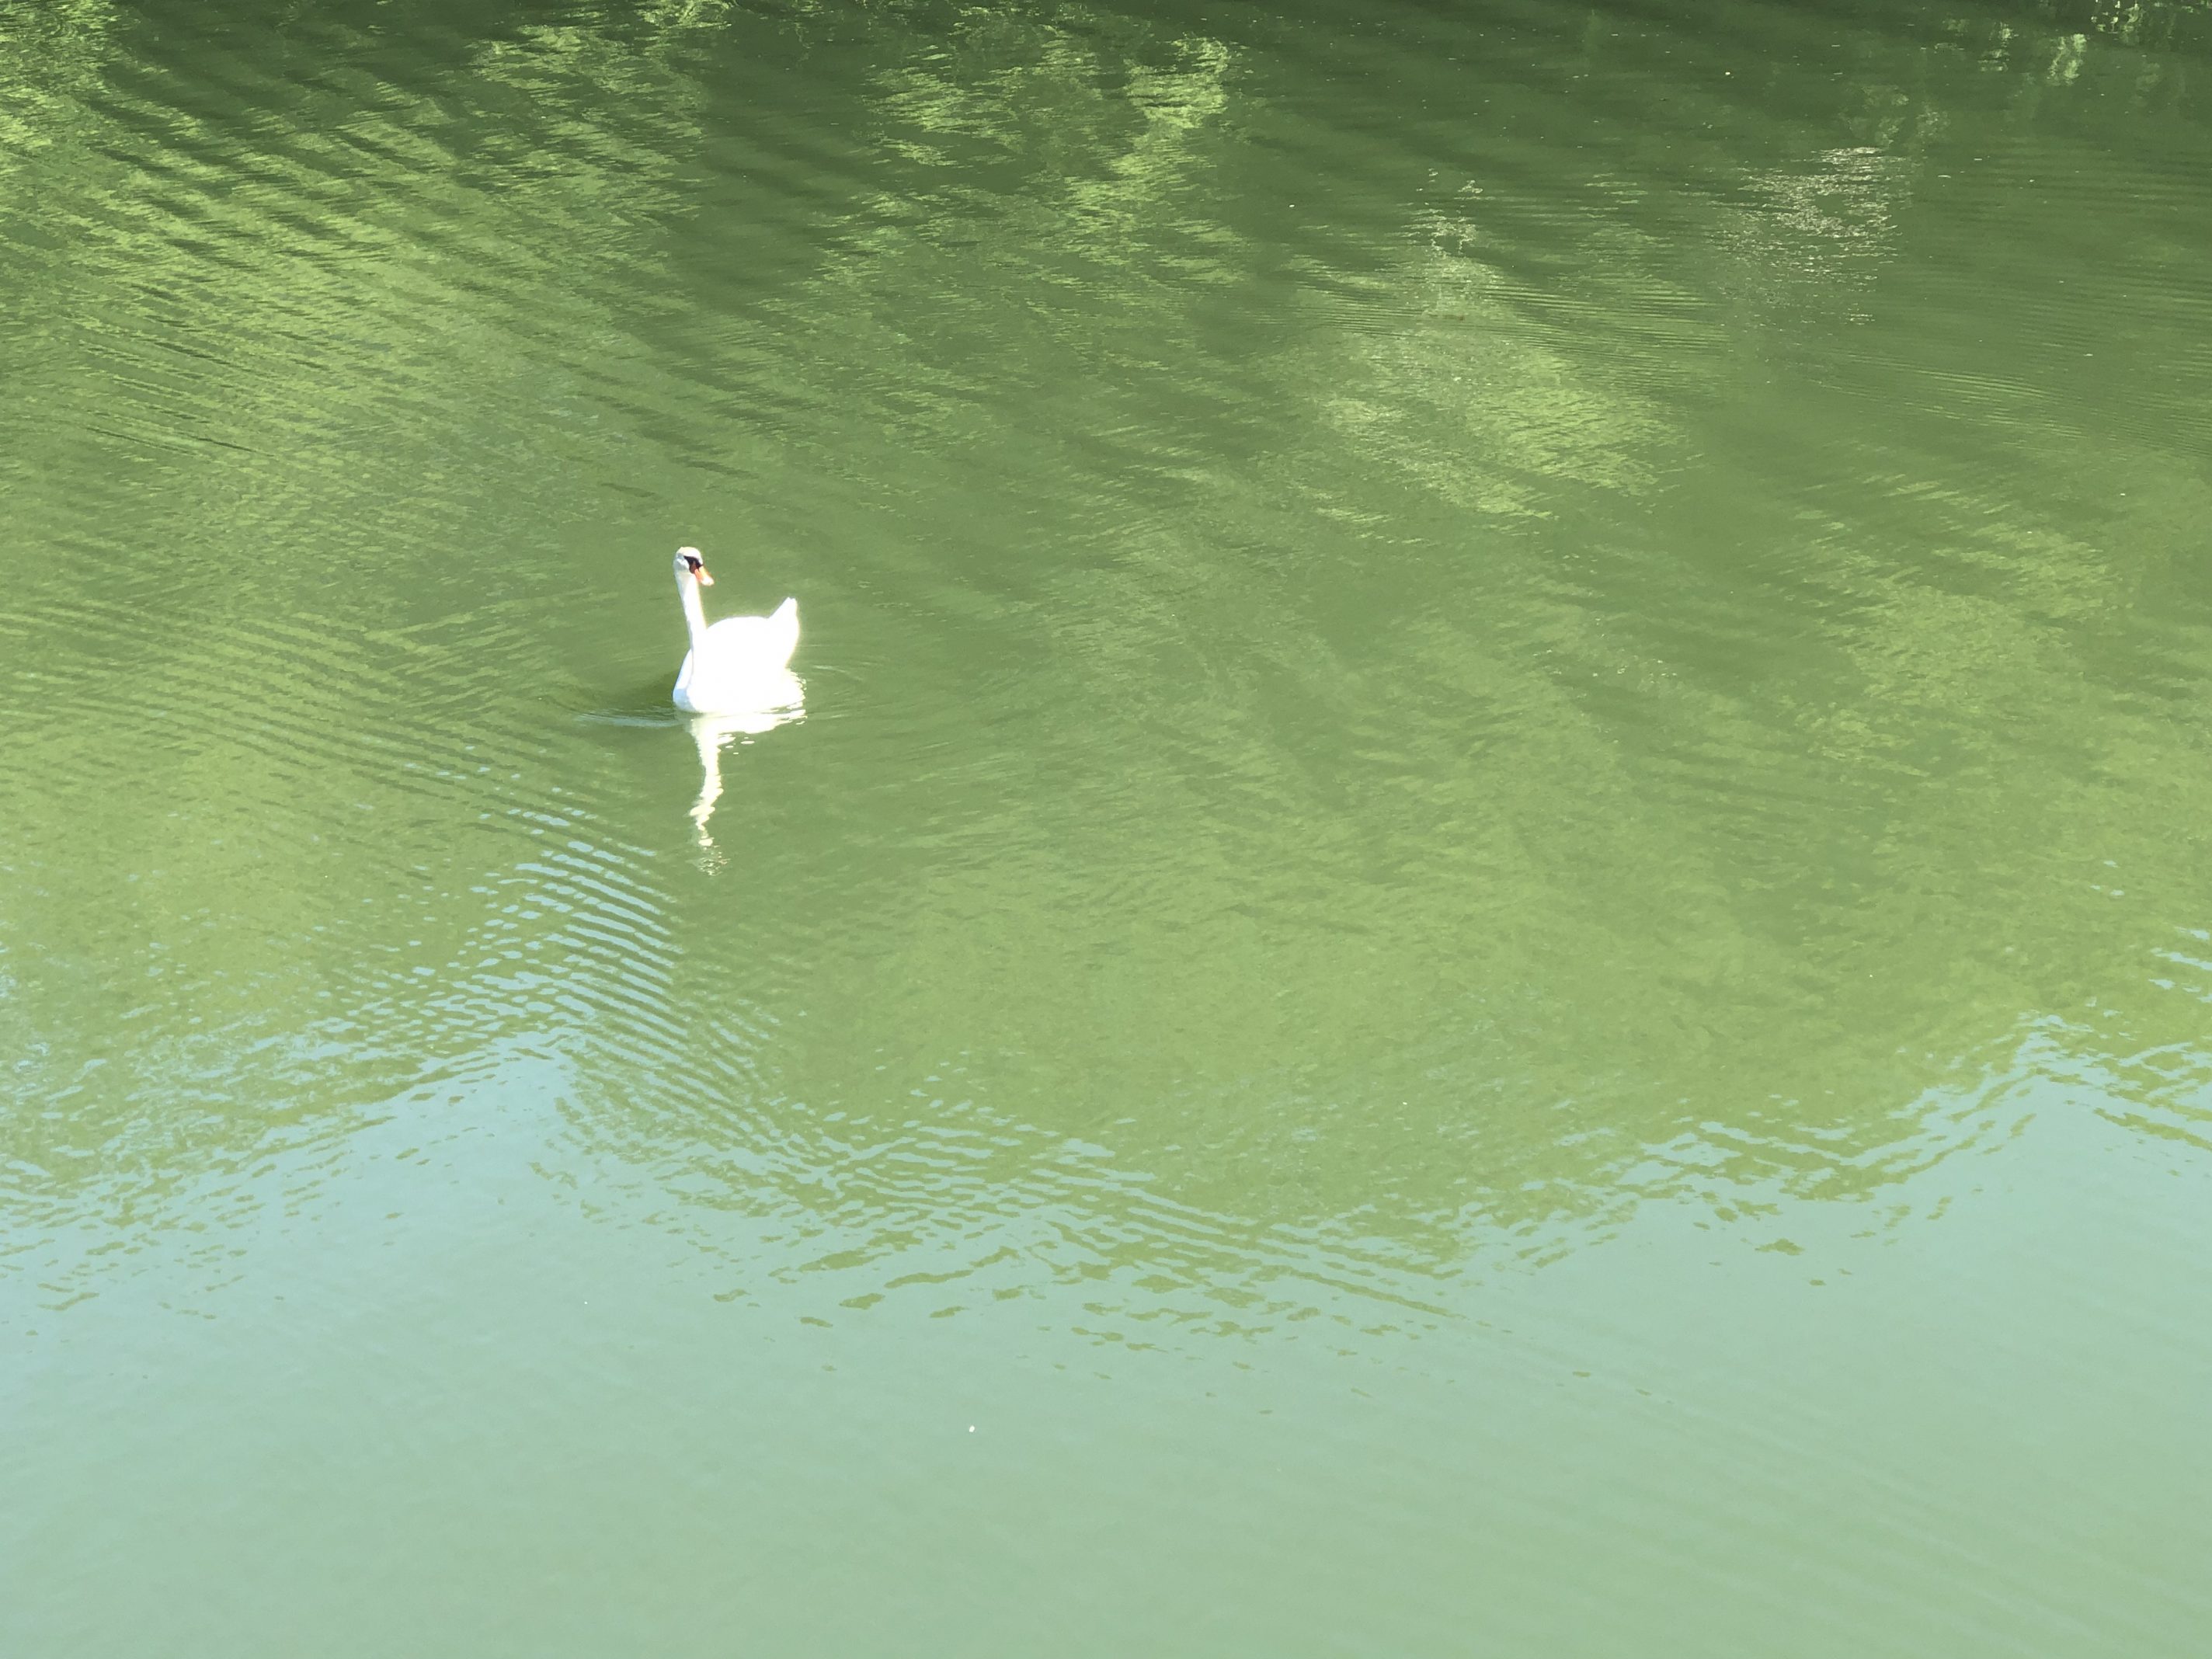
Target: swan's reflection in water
[{"x": 779, "y": 699}]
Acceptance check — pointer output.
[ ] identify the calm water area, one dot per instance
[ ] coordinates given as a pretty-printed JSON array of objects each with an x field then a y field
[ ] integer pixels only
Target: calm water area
[{"x": 1491, "y": 931}]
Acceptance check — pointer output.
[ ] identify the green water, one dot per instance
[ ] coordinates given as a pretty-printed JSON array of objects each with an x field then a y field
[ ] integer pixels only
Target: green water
[{"x": 1490, "y": 934}]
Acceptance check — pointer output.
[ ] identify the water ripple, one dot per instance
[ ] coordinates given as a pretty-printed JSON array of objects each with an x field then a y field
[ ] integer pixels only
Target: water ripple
[{"x": 1408, "y": 662}]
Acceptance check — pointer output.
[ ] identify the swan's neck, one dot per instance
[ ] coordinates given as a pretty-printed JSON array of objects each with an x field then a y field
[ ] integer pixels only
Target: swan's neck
[{"x": 695, "y": 614}]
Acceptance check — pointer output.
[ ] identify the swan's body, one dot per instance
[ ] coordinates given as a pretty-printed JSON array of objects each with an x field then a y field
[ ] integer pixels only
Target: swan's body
[{"x": 740, "y": 663}]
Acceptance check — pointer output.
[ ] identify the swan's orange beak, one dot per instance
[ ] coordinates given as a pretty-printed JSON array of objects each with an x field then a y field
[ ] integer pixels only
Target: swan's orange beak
[{"x": 705, "y": 580}]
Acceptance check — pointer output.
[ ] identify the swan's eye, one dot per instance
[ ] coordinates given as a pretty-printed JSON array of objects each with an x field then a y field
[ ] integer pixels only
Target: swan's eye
[{"x": 693, "y": 564}]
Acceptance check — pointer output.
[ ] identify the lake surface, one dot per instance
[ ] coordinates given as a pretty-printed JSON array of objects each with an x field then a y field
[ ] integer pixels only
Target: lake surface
[{"x": 1492, "y": 929}]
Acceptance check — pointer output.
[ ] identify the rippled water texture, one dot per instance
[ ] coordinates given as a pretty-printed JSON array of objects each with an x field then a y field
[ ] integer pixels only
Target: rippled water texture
[{"x": 1483, "y": 928}]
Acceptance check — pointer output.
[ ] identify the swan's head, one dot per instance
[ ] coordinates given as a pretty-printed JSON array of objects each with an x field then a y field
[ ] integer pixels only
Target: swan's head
[{"x": 689, "y": 564}]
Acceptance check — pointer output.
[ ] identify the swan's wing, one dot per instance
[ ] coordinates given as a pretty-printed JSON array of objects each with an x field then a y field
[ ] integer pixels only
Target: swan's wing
[
  {"x": 786, "y": 623},
  {"x": 780, "y": 627},
  {"x": 740, "y": 636},
  {"x": 756, "y": 642}
]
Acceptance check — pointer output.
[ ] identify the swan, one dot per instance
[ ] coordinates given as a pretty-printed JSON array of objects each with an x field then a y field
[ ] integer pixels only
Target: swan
[{"x": 739, "y": 663}]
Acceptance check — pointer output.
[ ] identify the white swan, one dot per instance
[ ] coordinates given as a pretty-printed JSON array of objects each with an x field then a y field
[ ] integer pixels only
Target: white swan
[{"x": 738, "y": 663}]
